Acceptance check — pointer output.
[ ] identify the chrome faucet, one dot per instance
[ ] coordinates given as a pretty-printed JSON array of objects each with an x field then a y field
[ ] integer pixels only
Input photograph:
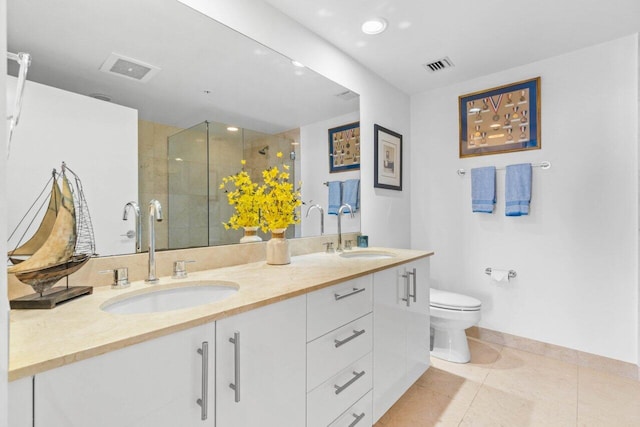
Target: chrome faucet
[
  {"x": 136, "y": 210},
  {"x": 340, "y": 211},
  {"x": 317, "y": 206},
  {"x": 155, "y": 214}
]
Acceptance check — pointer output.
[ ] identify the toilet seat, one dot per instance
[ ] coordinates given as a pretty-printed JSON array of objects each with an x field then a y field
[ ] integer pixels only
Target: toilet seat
[{"x": 452, "y": 301}]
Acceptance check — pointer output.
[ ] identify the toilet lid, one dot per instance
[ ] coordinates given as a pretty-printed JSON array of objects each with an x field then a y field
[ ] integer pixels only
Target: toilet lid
[{"x": 453, "y": 301}]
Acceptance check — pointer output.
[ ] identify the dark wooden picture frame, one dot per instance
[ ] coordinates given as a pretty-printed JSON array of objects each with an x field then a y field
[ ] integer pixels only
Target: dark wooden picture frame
[
  {"x": 344, "y": 148},
  {"x": 387, "y": 158},
  {"x": 499, "y": 120}
]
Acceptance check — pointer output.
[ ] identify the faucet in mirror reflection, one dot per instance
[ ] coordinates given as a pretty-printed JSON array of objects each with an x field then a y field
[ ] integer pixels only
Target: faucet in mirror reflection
[
  {"x": 138, "y": 224},
  {"x": 344, "y": 208},
  {"x": 155, "y": 214},
  {"x": 318, "y": 207}
]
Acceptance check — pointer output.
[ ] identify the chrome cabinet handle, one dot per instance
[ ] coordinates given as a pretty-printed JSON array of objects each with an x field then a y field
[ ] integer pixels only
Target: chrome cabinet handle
[
  {"x": 341, "y": 388},
  {"x": 204, "y": 351},
  {"x": 415, "y": 285},
  {"x": 407, "y": 290},
  {"x": 355, "y": 291},
  {"x": 356, "y": 334},
  {"x": 358, "y": 418},
  {"x": 235, "y": 386}
]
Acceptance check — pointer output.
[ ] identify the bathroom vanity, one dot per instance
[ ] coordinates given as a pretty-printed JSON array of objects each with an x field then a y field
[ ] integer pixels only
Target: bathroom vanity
[{"x": 326, "y": 340}]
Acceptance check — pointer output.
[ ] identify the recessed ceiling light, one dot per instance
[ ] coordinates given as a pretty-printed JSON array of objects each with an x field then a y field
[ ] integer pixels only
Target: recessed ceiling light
[
  {"x": 297, "y": 64},
  {"x": 232, "y": 129},
  {"x": 374, "y": 26}
]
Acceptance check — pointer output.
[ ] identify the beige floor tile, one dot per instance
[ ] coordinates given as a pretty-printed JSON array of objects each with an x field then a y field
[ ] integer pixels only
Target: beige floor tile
[
  {"x": 423, "y": 407},
  {"x": 449, "y": 385},
  {"x": 535, "y": 378},
  {"x": 606, "y": 399},
  {"x": 483, "y": 357},
  {"x": 495, "y": 407}
]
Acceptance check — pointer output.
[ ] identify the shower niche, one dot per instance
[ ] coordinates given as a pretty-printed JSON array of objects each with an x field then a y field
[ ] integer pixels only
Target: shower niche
[{"x": 198, "y": 158}]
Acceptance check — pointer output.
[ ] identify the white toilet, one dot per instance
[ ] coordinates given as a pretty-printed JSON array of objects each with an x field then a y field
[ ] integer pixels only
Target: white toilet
[{"x": 450, "y": 315}]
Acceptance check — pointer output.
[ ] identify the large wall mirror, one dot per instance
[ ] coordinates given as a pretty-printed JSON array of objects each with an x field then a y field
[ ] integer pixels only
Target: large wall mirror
[{"x": 191, "y": 81}]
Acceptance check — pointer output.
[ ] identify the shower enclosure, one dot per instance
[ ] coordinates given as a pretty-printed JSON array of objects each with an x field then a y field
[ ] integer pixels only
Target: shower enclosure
[{"x": 198, "y": 158}]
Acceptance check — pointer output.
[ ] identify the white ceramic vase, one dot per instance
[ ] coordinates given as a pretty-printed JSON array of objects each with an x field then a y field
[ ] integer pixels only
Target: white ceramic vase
[
  {"x": 250, "y": 235},
  {"x": 278, "y": 248}
]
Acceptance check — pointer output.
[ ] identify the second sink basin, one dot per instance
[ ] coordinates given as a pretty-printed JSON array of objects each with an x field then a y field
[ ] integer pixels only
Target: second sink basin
[
  {"x": 187, "y": 295},
  {"x": 368, "y": 254}
]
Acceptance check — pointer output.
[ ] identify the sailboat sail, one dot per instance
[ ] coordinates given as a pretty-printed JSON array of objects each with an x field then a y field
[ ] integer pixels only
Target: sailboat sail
[
  {"x": 44, "y": 230},
  {"x": 60, "y": 244},
  {"x": 69, "y": 243}
]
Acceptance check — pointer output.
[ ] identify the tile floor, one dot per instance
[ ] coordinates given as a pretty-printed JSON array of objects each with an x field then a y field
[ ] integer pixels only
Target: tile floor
[{"x": 502, "y": 386}]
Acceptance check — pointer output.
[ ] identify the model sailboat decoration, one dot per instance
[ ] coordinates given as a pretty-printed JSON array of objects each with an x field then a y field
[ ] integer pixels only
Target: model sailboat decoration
[{"x": 63, "y": 242}]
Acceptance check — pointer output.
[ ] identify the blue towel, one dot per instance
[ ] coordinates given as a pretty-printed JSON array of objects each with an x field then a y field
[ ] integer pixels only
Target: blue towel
[
  {"x": 517, "y": 192},
  {"x": 483, "y": 189},
  {"x": 335, "y": 197},
  {"x": 350, "y": 190}
]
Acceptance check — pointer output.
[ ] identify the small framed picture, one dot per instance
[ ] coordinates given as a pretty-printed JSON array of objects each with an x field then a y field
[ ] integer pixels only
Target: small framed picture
[
  {"x": 344, "y": 148},
  {"x": 387, "y": 158},
  {"x": 501, "y": 119}
]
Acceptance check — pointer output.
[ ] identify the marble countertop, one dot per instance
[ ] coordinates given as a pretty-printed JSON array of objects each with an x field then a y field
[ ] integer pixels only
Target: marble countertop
[{"x": 40, "y": 340}]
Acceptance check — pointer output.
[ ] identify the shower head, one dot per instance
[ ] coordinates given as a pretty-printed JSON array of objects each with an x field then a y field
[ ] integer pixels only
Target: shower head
[{"x": 264, "y": 150}]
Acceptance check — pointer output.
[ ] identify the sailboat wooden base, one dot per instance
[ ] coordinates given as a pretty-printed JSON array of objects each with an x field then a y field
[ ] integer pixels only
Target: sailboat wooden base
[{"x": 51, "y": 298}]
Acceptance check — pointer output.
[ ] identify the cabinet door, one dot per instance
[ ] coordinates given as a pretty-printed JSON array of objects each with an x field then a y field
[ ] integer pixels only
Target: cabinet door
[
  {"x": 260, "y": 366},
  {"x": 154, "y": 383},
  {"x": 21, "y": 402},
  {"x": 417, "y": 321},
  {"x": 401, "y": 331},
  {"x": 390, "y": 338}
]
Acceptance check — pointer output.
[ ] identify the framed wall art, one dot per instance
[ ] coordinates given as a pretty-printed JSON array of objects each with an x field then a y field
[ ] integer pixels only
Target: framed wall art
[
  {"x": 344, "y": 148},
  {"x": 387, "y": 158},
  {"x": 500, "y": 120}
]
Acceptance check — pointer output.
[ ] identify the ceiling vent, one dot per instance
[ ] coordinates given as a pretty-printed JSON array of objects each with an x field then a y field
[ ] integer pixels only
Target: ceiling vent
[
  {"x": 347, "y": 95},
  {"x": 439, "y": 65},
  {"x": 129, "y": 68}
]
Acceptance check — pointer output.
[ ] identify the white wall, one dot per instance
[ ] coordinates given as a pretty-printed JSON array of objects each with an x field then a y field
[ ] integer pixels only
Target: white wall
[
  {"x": 576, "y": 254},
  {"x": 314, "y": 152},
  {"x": 98, "y": 141},
  {"x": 4, "y": 305},
  {"x": 385, "y": 213}
]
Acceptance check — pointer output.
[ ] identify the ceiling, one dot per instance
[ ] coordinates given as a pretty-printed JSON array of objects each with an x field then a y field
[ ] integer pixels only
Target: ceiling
[
  {"x": 480, "y": 37},
  {"x": 207, "y": 71}
]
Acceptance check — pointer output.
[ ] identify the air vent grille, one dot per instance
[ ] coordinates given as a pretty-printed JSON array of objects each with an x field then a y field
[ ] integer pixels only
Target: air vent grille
[
  {"x": 439, "y": 65},
  {"x": 347, "y": 95},
  {"x": 129, "y": 68}
]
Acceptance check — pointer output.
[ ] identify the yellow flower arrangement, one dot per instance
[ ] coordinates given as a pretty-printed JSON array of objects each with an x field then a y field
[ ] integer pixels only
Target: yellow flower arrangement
[
  {"x": 246, "y": 197},
  {"x": 272, "y": 205},
  {"x": 279, "y": 198}
]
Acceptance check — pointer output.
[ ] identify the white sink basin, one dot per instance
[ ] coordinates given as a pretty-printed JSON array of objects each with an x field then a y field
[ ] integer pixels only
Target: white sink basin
[
  {"x": 367, "y": 254},
  {"x": 186, "y": 295}
]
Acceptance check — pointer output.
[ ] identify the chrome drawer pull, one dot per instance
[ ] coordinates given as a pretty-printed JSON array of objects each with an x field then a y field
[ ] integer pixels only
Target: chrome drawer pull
[
  {"x": 407, "y": 290},
  {"x": 355, "y": 291},
  {"x": 346, "y": 340},
  {"x": 341, "y": 388},
  {"x": 358, "y": 418},
  {"x": 204, "y": 351},
  {"x": 235, "y": 386},
  {"x": 415, "y": 285}
]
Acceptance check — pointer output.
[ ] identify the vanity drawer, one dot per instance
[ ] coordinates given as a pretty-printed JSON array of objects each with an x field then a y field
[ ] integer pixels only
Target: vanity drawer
[
  {"x": 337, "y": 349},
  {"x": 359, "y": 415},
  {"x": 337, "y": 394},
  {"x": 335, "y": 306}
]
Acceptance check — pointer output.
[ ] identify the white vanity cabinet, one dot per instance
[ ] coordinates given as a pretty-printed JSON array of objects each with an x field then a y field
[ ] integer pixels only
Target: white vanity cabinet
[
  {"x": 339, "y": 354},
  {"x": 260, "y": 366},
  {"x": 154, "y": 383},
  {"x": 401, "y": 331}
]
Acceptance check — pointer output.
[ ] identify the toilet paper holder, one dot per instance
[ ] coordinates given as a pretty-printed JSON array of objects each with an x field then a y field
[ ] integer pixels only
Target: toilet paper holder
[{"x": 512, "y": 273}]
